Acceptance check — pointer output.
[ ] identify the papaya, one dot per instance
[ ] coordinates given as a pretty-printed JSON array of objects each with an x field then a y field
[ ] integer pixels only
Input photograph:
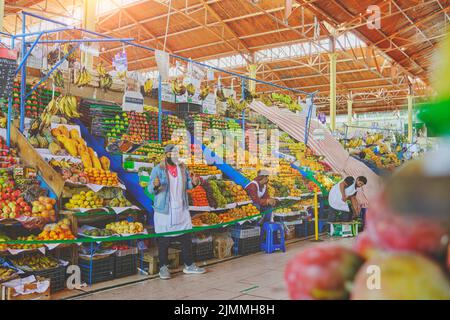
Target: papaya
[
  {"x": 105, "y": 163},
  {"x": 74, "y": 134},
  {"x": 95, "y": 162}
]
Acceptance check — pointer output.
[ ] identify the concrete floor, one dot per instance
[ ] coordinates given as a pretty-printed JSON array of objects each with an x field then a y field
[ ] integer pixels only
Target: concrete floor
[{"x": 255, "y": 277}]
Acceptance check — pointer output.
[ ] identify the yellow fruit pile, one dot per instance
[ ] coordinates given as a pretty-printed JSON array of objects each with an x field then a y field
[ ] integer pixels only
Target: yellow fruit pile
[
  {"x": 87, "y": 200},
  {"x": 125, "y": 227},
  {"x": 243, "y": 212}
]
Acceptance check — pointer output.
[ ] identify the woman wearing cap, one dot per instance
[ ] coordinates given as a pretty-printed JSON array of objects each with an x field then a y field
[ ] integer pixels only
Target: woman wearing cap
[
  {"x": 257, "y": 191},
  {"x": 168, "y": 182}
]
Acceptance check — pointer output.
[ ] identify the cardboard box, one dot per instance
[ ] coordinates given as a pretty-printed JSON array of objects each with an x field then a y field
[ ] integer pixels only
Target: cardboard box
[
  {"x": 151, "y": 261},
  {"x": 29, "y": 288}
]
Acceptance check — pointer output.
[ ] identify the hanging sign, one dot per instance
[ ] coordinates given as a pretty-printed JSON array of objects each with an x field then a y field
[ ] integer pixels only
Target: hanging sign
[
  {"x": 210, "y": 75},
  {"x": 120, "y": 62},
  {"x": 322, "y": 118},
  {"x": 8, "y": 65},
  {"x": 162, "y": 61},
  {"x": 133, "y": 100}
]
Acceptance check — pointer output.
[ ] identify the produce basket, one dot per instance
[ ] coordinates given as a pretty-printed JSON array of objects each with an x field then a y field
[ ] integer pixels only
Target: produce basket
[
  {"x": 223, "y": 244},
  {"x": 97, "y": 270},
  {"x": 125, "y": 263},
  {"x": 150, "y": 261},
  {"x": 242, "y": 232},
  {"x": 246, "y": 245}
]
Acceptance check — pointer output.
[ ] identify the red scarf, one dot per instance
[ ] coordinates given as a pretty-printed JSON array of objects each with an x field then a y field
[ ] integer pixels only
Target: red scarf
[{"x": 172, "y": 170}]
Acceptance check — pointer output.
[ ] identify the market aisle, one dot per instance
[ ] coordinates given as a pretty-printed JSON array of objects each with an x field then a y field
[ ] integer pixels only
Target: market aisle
[{"x": 258, "y": 276}]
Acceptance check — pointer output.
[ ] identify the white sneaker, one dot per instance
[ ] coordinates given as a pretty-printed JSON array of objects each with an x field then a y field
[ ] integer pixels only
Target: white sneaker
[
  {"x": 193, "y": 269},
  {"x": 164, "y": 273}
]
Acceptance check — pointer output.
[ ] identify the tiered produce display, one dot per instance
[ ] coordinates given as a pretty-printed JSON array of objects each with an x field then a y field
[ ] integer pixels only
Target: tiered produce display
[{"x": 378, "y": 148}]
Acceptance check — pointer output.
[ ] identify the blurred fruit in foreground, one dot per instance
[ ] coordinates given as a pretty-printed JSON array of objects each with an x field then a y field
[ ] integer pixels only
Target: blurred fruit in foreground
[
  {"x": 366, "y": 247},
  {"x": 321, "y": 273},
  {"x": 403, "y": 276},
  {"x": 441, "y": 73},
  {"x": 399, "y": 232}
]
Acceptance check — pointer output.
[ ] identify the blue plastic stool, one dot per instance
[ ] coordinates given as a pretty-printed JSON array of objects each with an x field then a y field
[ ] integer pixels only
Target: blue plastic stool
[{"x": 271, "y": 230}]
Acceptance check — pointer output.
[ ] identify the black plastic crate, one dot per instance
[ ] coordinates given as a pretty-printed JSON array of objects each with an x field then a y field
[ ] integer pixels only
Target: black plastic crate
[
  {"x": 246, "y": 245},
  {"x": 56, "y": 275},
  {"x": 125, "y": 266},
  {"x": 202, "y": 251},
  {"x": 300, "y": 230},
  {"x": 310, "y": 228},
  {"x": 102, "y": 269}
]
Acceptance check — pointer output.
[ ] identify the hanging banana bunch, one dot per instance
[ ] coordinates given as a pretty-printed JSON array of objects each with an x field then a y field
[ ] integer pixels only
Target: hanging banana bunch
[
  {"x": 220, "y": 95},
  {"x": 178, "y": 89},
  {"x": 68, "y": 106},
  {"x": 58, "y": 79},
  {"x": 83, "y": 78},
  {"x": 66, "y": 48},
  {"x": 105, "y": 82},
  {"x": 241, "y": 106},
  {"x": 148, "y": 86},
  {"x": 190, "y": 89},
  {"x": 204, "y": 91},
  {"x": 101, "y": 70},
  {"x": 122, "y": 75}
]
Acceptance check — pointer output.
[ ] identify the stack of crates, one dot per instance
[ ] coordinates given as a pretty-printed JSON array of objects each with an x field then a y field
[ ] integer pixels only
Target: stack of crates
[
  {"x": 247, "y": 239},
  {"x": 125, "y": 262},
  {"x": 96, "y": 269},
  {"x": 56, "y": 275}
]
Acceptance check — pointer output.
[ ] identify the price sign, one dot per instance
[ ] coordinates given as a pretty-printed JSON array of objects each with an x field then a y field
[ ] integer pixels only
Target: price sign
[{"x": 8, "y": 65}]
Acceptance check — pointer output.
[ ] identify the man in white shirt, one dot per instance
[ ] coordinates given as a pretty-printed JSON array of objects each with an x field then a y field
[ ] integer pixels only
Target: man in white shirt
[{"x": 341, "y": 195}]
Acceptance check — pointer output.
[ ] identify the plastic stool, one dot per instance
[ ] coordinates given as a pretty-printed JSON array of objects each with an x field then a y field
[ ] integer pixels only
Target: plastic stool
[{"x": 271, "y": 230}]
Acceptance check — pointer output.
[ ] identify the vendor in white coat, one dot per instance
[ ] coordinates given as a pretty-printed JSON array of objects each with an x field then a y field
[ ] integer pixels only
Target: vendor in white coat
[
  {"x": 169, "y": 182},
  {"x": 343, "y": 195}
]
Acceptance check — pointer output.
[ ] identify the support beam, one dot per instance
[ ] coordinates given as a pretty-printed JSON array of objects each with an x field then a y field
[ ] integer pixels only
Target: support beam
[
  {"x": 333, "y": 58},
  {"x": 349, "y": 111},
  {"x": 410, "y": 117},
  {"x": 2, "y": 13},
  {"x": 89, "y": 20}
]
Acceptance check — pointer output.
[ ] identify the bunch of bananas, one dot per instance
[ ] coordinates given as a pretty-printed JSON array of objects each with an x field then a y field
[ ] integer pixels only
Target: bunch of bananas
[
  {"x": 266, "y": 100},
  {"x": 6, "y": 273},
  {"x": 66, "y": 48},
  {"x": 178, "y": 89},
  {"x": 204, "y": 91},
  {"x": 238, "y": 106},
  {"x": 190, "y": 89},
  {"x": 354, "y": 143},
  {"x": 101, "y": 70},
  {"x": 58, "y": 79},
  {"x": 105, "y": 82},
  {"x": 122, "y": 75},
  {"x": 83, "y": 78},
  {"x": 63, "y": 164},
  {"x": 68, "y": 106},
  {"x": 36, "y": 262},
  {"x": 220, "y": 95},
  {"x": 148, "y": 86}
]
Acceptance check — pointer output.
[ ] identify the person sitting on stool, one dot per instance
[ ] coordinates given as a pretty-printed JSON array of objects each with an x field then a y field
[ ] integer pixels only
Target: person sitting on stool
[{"x": 257, "y": 191}]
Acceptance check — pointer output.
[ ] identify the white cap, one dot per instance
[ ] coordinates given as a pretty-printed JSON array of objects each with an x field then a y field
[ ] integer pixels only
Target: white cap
[{"x": 263, "y": 172}]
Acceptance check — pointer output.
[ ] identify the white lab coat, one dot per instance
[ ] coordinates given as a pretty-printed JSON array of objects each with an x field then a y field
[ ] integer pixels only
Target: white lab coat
[{"x": 178, "y": 219}]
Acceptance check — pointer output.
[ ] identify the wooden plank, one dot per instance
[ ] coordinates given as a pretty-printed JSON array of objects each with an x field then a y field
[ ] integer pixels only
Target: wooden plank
[{"x": 32, "y": 158}]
